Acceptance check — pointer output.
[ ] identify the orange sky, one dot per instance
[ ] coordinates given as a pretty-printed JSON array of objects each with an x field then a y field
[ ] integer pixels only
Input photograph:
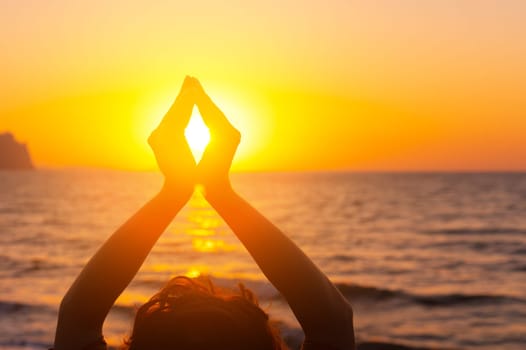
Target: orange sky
[{"x": 357, "y": 85}]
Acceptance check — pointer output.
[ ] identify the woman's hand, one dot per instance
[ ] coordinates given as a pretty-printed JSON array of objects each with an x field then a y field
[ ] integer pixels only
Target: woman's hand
[
  {"x": 169, "y": 145},
  {"x": 213, "y": 169}
]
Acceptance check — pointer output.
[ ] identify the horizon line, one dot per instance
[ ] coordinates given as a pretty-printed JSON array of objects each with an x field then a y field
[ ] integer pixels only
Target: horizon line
[{"x": 333, "y": 170}]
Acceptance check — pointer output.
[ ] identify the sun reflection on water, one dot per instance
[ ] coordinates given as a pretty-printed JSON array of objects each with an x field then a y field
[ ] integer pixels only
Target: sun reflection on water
[
  {"x": 209, "y": 245},
  {"x": 193, "y": 272},
  {"x": 203, "y": 232},
  {"x": 200, "y": 244}
]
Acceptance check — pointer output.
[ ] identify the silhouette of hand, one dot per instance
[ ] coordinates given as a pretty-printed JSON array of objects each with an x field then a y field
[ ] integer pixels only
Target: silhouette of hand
[
  {"x": 169, "y": 145},
  {"x": 214, "y": 166}
]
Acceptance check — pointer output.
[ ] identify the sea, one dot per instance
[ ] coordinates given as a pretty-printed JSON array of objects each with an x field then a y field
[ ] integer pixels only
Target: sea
[{"x": 427, "y": 260}]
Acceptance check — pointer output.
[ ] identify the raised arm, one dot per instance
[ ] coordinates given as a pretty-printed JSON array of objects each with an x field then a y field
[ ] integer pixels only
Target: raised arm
[
  {"x": 324, "y": 314},
  {"x": 110, "y": 270}
]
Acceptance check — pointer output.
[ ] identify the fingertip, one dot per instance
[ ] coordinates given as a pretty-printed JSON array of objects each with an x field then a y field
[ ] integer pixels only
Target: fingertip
[
  {"x": 198, "y": 84},
  {"x": 194, "y": 83},
  {"x": 187, "y": 82}
]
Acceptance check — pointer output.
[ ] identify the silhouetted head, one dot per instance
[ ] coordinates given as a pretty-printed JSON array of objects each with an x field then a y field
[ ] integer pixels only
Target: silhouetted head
[{"x": 192, "y": 314}]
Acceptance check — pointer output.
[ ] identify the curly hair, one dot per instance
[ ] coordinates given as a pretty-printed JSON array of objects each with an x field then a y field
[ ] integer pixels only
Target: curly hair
[{"x": 193, "y": 314}]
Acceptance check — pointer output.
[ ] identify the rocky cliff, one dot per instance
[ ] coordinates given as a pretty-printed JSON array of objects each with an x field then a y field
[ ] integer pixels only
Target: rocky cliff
[{"x": 13, "y": 155}]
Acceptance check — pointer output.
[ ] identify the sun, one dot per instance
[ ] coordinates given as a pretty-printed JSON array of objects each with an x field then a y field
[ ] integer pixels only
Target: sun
[{"x": 197, "y": 135}]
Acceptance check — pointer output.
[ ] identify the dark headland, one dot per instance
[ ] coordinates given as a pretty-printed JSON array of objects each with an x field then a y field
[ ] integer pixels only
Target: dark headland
[{"x": 13, "y": 155}]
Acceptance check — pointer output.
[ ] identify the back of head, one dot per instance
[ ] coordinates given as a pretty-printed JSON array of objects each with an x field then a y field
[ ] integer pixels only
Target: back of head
[{"x": 192, "y": 314}]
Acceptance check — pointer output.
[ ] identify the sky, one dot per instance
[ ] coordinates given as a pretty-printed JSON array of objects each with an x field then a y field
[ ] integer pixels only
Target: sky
[{"x": 402, "y": 85}]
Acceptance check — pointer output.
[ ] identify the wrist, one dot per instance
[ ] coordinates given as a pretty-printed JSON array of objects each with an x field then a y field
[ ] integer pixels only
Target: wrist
[
  {"x": 175, "y": 195},
  {"x": 219, "y": 194}
]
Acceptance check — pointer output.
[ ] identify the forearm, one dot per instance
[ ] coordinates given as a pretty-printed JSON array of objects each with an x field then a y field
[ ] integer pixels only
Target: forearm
[
  {"x": 315, "y": 301},
  {"x": 111, "y": 269}
]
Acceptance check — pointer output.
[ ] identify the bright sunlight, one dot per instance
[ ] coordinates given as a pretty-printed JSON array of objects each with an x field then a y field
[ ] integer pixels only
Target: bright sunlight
[{"x": 197, "y": 135}]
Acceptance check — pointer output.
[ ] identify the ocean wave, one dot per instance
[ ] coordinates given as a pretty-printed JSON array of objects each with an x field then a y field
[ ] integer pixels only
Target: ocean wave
[
  {"x": 7, "y": 263},
  {"x": 341, "y": 258},
  {"x": 519, "y": 251},
  {"x": 520, "y": 268},
  {"x": 11, "y": 307},
  {"x": 9, "y": 210},
  {"x": 368, "y": 293},
  {"x": 476, "y": 231},
  {"x": 354, "y": 291},
  {"x": 373, "y": 345},
  {"x": 456, "y": 299},
  {"x": 482, "y": 244},
  {"x": 24, "y": 345},
  {"x": 20, "y": 267}
]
